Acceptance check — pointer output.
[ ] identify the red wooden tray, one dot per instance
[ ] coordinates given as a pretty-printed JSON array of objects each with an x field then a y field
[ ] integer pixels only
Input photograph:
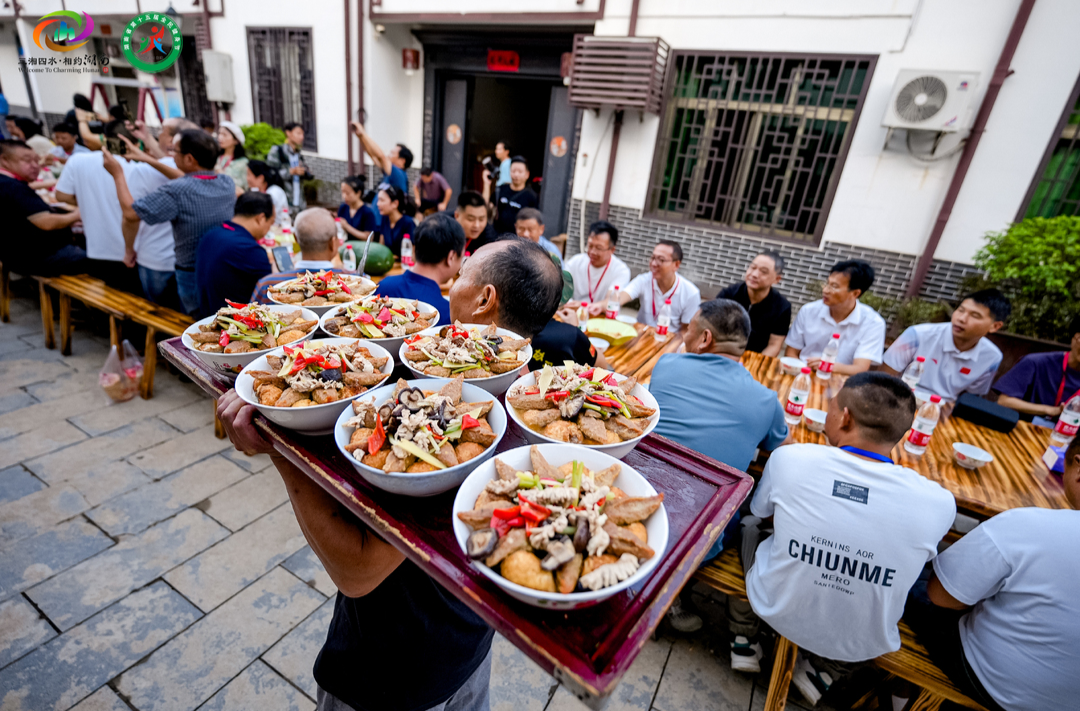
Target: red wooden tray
[{"x": 587, "y": 650}]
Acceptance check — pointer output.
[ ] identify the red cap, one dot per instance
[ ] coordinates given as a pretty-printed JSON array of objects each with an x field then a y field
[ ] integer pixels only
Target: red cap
[
  {"x": 921, "y": 359},
  {"x": 836, "y": 335},
  {"x": 935, "y": 398},
  {"x": 806, "y": 369}
]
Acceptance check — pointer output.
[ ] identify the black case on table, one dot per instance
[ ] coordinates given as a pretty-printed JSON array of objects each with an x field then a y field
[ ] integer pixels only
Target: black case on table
[{"x": 985, "y": 413}]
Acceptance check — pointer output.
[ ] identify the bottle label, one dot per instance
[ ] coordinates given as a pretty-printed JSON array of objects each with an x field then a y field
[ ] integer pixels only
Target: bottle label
[
  {"x": 611, "y": 314},
  {"x": 1068, "y": 424},
  {"x": 920, "y": 433},
  {"x": 794, "y": 408},
  {"x": 825, "y": 366},
  {"x": 661, "y": 330}
]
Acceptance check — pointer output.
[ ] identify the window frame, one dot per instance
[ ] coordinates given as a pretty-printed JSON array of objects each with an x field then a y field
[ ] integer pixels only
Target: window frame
[
  {"x": 1048, "y": 155},
  {"x": 663, "y": 138},
  {"x": 311, "y": 137}
]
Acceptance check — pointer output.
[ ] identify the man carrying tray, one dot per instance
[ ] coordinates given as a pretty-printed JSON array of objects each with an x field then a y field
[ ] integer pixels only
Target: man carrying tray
[{"x": 398, "y": 640}]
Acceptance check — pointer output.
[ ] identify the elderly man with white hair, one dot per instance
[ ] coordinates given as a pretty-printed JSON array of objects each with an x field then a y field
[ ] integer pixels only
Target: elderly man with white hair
[{"x": 316, "y": 233}]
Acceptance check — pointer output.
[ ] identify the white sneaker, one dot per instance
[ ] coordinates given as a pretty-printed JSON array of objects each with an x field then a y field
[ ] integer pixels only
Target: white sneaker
[
  {"x": 745, "y": 655},
  {"x": 809, "y": 681},
  {"x": 682, "y": 620}
]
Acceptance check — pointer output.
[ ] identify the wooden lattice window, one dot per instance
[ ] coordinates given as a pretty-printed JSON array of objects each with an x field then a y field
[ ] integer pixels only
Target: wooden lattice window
[
  {"x": 283, "y": 78},
  {"x": 1056, "y": 188},
  {"x": 754, "y": 143}
]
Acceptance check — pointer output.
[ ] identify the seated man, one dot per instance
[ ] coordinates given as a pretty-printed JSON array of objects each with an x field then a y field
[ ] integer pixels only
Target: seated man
[
  {"x": 770, "y": 312},
  {"x": 732, "y": 419},
  {"x": 661, "y": 283},
  {"x": 230, "y": 260},
  {"x": 36, "y": 240},
  {"x": 472, "y": 214},
  {"x": 512, "y": 283},
  {"x": 1017, "y": 645},
  {"x": 316, "y": 233},
  {"x": 529, "y": 224},
  {"x": 853, "y": 531},
  {"x": 1041, "y": 383},
  {"x": 958, "y": 358},
  {"x": 437, "y": 246},
  {"x": 597, "y": 269},
  {"x": 861, "y": 329}
]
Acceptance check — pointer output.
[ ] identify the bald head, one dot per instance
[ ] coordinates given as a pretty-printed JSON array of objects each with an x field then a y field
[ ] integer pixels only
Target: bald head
[
  {"x": 316, "y": 233},
  {"x": 172, "y": 126}
]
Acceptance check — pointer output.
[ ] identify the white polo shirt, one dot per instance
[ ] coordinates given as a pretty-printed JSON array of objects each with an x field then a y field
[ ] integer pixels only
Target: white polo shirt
[
  {"x": 592, "y": 284},
  {"x": 685, "y": 299},
  {"x": 862, "y": 333},
  {"x": 947, "y": 371}
]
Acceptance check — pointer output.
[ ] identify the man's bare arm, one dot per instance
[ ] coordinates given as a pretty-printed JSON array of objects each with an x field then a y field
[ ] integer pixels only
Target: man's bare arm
[
  {"x": 773, "y": 349},
  {"x": 66, "y": 198},
  {"x": 1029, "y": 408},
  {"x": 50, "y": 221},
  {"x": 378, "y": 156},
  {"x": 941, "y": 597}
]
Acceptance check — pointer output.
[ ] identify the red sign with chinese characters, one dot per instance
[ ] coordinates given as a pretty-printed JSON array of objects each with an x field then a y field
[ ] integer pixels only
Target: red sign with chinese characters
[{"x": 503, "y": 60}]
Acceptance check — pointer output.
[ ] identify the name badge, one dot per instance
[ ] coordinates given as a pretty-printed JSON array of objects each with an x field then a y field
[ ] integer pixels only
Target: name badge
[{"x": 851, "y": 492}]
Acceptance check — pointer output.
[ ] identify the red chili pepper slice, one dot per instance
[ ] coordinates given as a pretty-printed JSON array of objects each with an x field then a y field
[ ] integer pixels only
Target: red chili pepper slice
[
  {"x": 333, "y": 363},
  {"x": 377, "y": 438},
  {"x": 507, "y": 513},
  {"x": 365, "y": 317},
  {"x": 344, "y": 287},
  {"x": 235, "y": 305},
  {"x": 384, "y": 315},
  {"x": 413, "y": 340},
  {"x": 223, "y": 340},
  {"x": 323, "y": 292},
  {"x": 533, "y": 516},
  {"x": 468, "y": 422},
  {"x": 515, "y": 522},
  {"x": 610, "y": 380},
  {"x": 587, "y": 375},
  {"x": 556, "y": 396},
  {"x": 532, "y": 391},
  {"x": 501, "y": 527},
  {"x": 542, "y": 509}
]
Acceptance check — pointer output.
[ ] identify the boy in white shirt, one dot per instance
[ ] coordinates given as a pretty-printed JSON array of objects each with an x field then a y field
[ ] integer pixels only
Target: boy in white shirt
[
  {"x": 839, "y": 311},
  {"x": 852, "y": 532}
]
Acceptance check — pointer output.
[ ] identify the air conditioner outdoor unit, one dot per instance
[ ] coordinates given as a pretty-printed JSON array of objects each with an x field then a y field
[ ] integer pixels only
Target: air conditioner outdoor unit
[{"x": 931, "y": 100}]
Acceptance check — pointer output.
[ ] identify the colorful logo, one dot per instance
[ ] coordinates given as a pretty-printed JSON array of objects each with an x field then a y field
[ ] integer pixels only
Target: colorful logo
[
  {"x": 148, "y": 32},
  {"x": 67, "y": 25}
]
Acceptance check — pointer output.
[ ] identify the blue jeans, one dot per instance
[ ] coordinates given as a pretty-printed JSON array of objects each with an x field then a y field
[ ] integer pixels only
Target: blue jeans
[
  {"x": 188, "y": 288},
  {"x": 158, "y": 286}
]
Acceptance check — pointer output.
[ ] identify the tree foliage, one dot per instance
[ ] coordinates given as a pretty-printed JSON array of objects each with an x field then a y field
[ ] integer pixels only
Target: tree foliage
[{"x": 259, "y": 138}]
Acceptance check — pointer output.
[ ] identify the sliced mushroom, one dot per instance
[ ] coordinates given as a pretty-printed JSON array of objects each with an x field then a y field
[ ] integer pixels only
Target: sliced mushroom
[
  {"x": 441, "y": 416},
  {"x": 332, "y": 375},
  {"x": 411, "y": 398},
  {"x": 570, "y": 407},
  {"x": 481, "y": 543},
  {"x": 386, "y": 412},
  {"x": 558, "y": 552},
  {"x": 582, "y": 535},
  {"x": 444, "y": 331}
]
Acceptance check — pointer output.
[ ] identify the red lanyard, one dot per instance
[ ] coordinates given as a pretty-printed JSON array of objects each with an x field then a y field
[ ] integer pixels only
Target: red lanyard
[
  {"x": 588, "y": 273},
  {"x": 1064, "y": 375},
  {"x": 655, "y": 291},
  {"x": 204, "y": 177},
  {"x": 9, "y": 174}
]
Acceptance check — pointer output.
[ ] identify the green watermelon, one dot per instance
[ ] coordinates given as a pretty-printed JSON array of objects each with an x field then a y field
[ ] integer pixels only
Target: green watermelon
[{"x": 380, "y": 259}]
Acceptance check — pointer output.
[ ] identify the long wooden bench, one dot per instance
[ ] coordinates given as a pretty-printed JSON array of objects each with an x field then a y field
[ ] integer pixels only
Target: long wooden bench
[
  {"x": 120, "y": 306},
  {"x": 911, "y": 662}
]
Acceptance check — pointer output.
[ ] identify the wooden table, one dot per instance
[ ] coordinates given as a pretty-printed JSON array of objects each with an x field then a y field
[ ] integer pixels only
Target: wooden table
[
  {"x": 1017, "y": 477},
  {"x": 638, "y": 356}
]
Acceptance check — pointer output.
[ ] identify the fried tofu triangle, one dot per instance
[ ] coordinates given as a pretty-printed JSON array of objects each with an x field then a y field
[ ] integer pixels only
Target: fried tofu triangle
[{"x": 632, "y": 508}]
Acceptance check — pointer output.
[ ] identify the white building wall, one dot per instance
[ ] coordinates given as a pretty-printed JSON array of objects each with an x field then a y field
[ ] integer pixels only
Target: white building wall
[
  {"x": 11, "y": 79},
  {"x": 884, "y": 199}
]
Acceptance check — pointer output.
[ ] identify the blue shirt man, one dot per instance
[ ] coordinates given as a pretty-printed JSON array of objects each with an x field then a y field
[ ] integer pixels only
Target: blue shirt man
[
  {"x": 438, "y": 244},
  {"x": 230, "y": 260}
]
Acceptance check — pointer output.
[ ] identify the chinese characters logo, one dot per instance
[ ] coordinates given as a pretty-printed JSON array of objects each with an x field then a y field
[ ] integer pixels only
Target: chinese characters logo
[
  {"x": 152, "y": 42},
  {"x": 66, "y": 25}
]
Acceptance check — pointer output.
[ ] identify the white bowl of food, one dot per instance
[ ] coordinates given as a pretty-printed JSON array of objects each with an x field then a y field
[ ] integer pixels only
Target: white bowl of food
[
  {"x": 415, "y": 475},
  {"x": 514, "y": 354},
  {"x": 549, "y": 417},
  {"x": 313, "y": 406},
  {"x": 791, "y": 366},
  {"x": 321, "y": 291},
  {"x": 352, "y": 320},
  {"x": 969, "y": 456},
  {"x": 203, "y": 338},
  {"x": 547, "y": 575},
  {"x": 815, "y": 419}
]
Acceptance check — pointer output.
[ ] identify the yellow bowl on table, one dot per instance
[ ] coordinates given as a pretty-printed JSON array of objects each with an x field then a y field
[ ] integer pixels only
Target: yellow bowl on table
[{"x": 611, "y": 330}]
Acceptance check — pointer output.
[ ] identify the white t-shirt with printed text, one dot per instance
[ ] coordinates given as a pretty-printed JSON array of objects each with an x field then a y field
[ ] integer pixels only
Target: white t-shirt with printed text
[
  {"x": 685, "y": 299},
  {"x": 850, "y": 539},
  {"x": 592, "y": 284}
]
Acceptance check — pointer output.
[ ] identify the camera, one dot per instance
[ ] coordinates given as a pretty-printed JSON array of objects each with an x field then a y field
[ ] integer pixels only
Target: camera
[{"x": 490, "y": 166}]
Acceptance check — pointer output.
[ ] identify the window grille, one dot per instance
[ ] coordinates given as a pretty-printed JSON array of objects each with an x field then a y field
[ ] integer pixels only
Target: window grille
[
  {"x": 754, "y": 143},
  {"x": 1056, "y": 188},
  {"x": 283, "y": 78}
]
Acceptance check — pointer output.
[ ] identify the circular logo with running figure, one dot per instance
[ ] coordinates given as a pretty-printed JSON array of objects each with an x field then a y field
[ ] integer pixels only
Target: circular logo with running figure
[{"x": 152, "y": 42}]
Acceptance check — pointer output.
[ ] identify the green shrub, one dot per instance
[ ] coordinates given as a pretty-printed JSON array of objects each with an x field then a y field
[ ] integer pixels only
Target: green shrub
[
  {"x": 1036, "y": 263},
  {"x": 259, "y": 138}
]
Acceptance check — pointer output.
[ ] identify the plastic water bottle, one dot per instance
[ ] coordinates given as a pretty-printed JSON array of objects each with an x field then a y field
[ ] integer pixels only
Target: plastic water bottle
[
  {"x": 407, "y": 261},
  {"x": 583, "y": 316},
  {"x": 1067, "y": 425},
  {"x": 340, "y": 231},
  {"x": 828, "y": 357},
  {"x": 797, "y": 397},
  {"x": 926, "y": 420},
  {"x": 349, "y": 260},
  {"x": 286, "y": 219},
  {"x": 612, "y": 302},
  {"x": 913, "y": 373},
  {"x": 663, "y": 322}
]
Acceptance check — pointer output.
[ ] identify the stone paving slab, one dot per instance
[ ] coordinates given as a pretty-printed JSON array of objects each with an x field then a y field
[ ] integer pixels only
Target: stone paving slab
[
  {"x": 215, "y": 575},
  {"x": 40, "y": 441},
  {"x": 294, "y": 655},
  {"x": 32, "y": 560},
  {"x": 75, "y": 594},
  {"x": 191, "y": 417},
  {"x": 104, "y": 699},
  {"x": 46, "y": 413},
  {"x": 169, "y": 396},
  {"x": 66, "y": 385},
  {"x": 179, "y": 452},
  {"x": 696, "y": 679},
  {"x": 193, "y": 666},
  {"x": 517, "y": 683},
  {"x": 254, "y": 463},
  {"x": 16, "y": 482},
  {"x": 21, "y": 629},
  {"x": 101, "y": 483},
  {"x": 637, "y": 688},
  {"x": 39, "y": 512},
  {"x": 247, "y": 500},
  {"x": 15, "y": 399},
  {"x": 71, "y": 666},
  {"x": 305, "y": 565},
  {"x": 90, "y": 453},
  {"x": 258, "y": 687},
  {"x": 24, "y": 371},
  {"x": 140, "y": 508}
]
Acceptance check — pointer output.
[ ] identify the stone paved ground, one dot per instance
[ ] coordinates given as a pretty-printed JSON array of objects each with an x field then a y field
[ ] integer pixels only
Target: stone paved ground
[{"x": 145, "y": 564}]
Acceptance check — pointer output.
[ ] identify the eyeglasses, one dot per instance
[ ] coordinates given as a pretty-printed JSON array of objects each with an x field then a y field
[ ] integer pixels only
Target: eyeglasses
[{"x": 660, "y": 260}]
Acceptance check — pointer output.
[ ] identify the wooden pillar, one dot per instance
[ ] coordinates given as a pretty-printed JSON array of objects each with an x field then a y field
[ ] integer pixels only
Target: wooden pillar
[{"x": 46, "y": 315}]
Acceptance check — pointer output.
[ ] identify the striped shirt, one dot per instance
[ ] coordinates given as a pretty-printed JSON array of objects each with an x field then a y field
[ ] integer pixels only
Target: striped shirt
[{"x": 194, "y": 204}]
